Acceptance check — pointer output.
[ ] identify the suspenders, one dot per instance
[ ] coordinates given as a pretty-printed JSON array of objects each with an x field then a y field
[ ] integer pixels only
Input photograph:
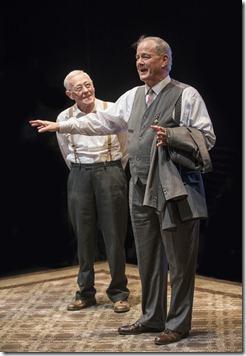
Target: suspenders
[
  {"x": 76, "y": 158},
  {"x": 105, "y": 105}
]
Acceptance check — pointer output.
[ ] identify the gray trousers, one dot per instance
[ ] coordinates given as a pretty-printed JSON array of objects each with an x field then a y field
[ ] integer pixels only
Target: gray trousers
[
  {"x": 97, "y": 198},
  {"x": 156, "y": 251}
]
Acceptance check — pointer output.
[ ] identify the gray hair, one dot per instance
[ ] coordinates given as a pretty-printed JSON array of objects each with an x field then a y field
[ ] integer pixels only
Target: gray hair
[
  {"x": 162, "y": 47},
  {"x": 73, "y": 74}
]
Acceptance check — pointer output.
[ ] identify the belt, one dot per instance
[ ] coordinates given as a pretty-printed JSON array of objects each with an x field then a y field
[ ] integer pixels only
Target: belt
[{"x": 96, "y": 164}]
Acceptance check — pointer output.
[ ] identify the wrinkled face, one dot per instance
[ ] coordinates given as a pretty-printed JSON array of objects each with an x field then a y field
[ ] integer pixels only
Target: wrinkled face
[
  {"x": 151, "y": 66},
  {"x": 81, "y": 90}
]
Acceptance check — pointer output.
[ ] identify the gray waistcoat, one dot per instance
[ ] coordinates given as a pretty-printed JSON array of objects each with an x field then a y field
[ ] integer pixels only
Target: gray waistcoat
[{"x": 140, "y": 135}]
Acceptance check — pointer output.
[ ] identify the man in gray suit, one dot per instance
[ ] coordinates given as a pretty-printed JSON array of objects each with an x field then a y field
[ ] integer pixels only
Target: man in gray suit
[{"x": 169, "y": 133}]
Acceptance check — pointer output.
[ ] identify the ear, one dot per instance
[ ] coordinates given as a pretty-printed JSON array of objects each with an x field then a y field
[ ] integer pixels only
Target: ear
[
  {"x": 164, "y": 60},
  {"x": 69, "y": 94}
]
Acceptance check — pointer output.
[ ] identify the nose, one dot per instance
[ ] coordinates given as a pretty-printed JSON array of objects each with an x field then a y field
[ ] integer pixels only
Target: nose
[
  {"x": 140, "y": 62},
  {"x": 85, "y": 89}
]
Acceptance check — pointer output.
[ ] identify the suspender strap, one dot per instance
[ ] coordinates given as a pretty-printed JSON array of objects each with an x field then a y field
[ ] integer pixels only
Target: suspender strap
[
  {"x": 110, "y": 147},
  {"x": 76, "y": 158},
  {"x": 70, "y": 111},
  {"x": 105, "y": 105}
]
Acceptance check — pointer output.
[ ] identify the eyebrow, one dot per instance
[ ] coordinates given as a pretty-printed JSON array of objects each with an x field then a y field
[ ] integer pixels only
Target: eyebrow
[{"x": 81, "y": 84}]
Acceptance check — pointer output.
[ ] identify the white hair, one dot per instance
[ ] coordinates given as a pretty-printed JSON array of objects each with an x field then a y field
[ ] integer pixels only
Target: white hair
[{"x": 71, "y": 75}]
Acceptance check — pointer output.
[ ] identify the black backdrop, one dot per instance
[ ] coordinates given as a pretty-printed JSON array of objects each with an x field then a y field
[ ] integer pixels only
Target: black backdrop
[{"x": 41, "y": 43}]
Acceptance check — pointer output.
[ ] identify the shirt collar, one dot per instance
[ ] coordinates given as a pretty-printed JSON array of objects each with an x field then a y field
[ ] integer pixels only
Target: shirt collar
[
  {"x": 77, "y": 111},
  {"x": 159, "y": 86}
]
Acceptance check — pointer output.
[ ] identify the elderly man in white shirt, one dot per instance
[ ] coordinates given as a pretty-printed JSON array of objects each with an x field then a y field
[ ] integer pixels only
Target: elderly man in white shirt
[{"x": 97, "y": 195}]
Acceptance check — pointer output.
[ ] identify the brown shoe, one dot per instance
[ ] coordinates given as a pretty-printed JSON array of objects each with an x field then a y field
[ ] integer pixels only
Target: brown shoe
[
  {"x": 79, "y": 304},
  {"x": 169, "y": 336},
  {"x": 121, "y": 306},
  {"x": 136, "y": 328}
]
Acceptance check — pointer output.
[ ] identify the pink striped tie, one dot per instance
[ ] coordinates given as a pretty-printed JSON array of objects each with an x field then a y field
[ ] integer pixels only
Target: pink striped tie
[{"x": 150, "y": 97}]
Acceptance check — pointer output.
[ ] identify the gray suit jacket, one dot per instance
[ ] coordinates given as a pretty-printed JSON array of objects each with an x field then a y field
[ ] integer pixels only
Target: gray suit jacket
[{"x": 174, "y": 184}]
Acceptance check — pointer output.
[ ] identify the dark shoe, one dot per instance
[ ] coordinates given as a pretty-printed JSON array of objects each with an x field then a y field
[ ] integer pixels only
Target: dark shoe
[
  {"x": 121, "y": 306},
  {"x": 79, "y": 304},
  {"x": 169, "y": 336},
  {"x": 136, "y": 328}
]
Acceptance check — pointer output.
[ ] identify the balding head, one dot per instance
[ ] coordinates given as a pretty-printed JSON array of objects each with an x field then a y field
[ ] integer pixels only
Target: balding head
[
  {"x": 72, "y": 75},
  {"x": 161, "y": 46}
]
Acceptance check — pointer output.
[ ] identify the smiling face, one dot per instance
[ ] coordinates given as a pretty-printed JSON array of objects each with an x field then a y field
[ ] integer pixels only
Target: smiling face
[
  {"x": 81, "y": 89},
  {"x": 151, "y": 66}
]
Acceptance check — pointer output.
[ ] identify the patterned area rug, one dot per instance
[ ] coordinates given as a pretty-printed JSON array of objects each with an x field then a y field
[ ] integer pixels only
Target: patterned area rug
[{"x": 33, "y": 316}]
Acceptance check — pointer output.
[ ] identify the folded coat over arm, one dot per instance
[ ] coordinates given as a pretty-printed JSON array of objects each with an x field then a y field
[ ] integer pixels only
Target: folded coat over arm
[{"x": 174, "y": 185}]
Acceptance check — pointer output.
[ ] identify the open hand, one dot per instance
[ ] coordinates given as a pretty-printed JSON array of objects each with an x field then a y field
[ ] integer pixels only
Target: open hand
[{"x": 44, "y": 126}]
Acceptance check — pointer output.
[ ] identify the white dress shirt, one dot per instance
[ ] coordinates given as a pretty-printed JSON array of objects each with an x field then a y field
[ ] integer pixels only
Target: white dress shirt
[
  {"x": 193, "y": 114},
  {"x": 90, "y": 149}
]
